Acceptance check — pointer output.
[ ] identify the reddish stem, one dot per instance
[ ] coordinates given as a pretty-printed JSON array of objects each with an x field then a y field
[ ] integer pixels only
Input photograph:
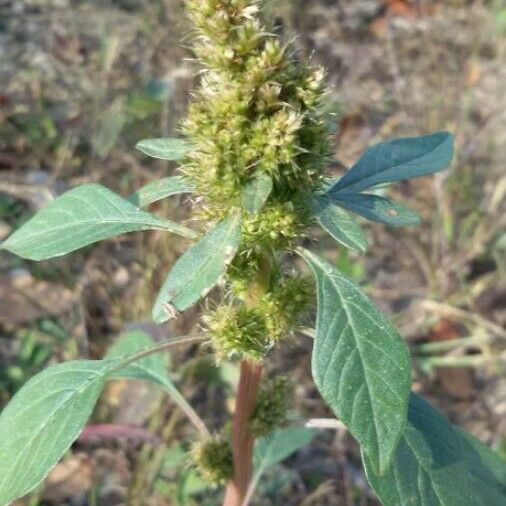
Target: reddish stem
[
  {"x": 242, "y": 439},
  {"x": 117, "y": 431}
]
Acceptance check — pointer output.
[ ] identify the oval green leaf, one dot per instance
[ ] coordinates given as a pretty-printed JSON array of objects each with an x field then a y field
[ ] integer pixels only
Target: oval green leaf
[
  {"x": 360, "y": 364},
  {"x": 198, "y": 270},
  {"x": 338, "y": 223},
  {"x": 398, "y": 160},
  {"x": 43, "y": 419},
  {"x": 376, "y": 208},
  {"x": 256, "y": 192},
  {"x": 80, "y": 217},
  {"x": 160, "y": 189},
  {"x": 437, "y": 464},
  {"x": 164, "y": 149}
]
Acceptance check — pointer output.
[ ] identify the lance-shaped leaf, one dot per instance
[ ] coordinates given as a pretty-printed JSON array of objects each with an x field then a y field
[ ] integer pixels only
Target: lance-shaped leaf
[
  {"x": 436, "y": 464},
  {"x": 256, "y": 192},
  {"x": 43, "y": 419},
  {"x": 160, "y": 189},
  {"x": 338, "y": 223},
  {"x": 164, "y": 149},
  {"x": 198, "y": 270},
  {"x": 398, "y": 160},
  {"x": 376, "y": 208},
  {"x": 360, "y": 364},
  {"x": 80, "y": 217}
]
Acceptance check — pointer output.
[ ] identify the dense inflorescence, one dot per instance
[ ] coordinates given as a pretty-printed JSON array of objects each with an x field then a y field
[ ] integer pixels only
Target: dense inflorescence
[
  {"x": 254, "y": 330},
  {"x": 213, "y": 459},
  {"x": 271, "y": 406},
  {"x": 258, "y": 110}
]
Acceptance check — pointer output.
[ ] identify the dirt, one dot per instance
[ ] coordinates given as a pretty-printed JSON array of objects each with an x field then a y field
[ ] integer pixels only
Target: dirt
[{"x": 82, "y": 81}]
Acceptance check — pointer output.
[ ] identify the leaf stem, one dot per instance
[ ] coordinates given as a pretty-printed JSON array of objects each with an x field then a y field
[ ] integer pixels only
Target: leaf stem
[
  {"x": 181, "y": 402},
  {"x": 157, "y": 348}
]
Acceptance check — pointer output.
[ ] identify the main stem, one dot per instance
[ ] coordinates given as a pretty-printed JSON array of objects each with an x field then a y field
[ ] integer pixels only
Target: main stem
[{"x": 243, "y": 440}]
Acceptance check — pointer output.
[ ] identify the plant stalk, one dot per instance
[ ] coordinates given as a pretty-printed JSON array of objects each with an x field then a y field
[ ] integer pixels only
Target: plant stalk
[{"x": 242, "y": 439}]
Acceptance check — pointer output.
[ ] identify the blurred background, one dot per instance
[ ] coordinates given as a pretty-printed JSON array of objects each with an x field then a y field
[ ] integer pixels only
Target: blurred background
[{"x": 82, "y": 81}]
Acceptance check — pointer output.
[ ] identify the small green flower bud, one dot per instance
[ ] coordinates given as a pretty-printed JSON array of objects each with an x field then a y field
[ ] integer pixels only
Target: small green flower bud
[
  {"x": 237, "y": 330},
  {"x": 213, "y": 459},
  {"x": 271, "y": 406}
]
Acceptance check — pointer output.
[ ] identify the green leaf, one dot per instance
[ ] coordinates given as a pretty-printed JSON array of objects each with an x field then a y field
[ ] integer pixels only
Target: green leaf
[
  {"x": 43, "y": 419},
  {"x": 160, "y": 189},
  {"x": 360, "y": 364},
  {"x": 256, "y": 192},
  {"x": 80, "y": 217},
  {"x": 338, "y": 223},
  {"x": 494, "y": 463},
  {"x": 376, "y": 208},
  {"x": 398, "y": 160},
  {"x": 164, "y": 149},
  {"x": 280, "y": 444},
  {"x": 151, "y": 368},
  {"x": 112, "y": 122},
  {"x": 198, "y": 270},
  {"x": 435, "y": 464}
]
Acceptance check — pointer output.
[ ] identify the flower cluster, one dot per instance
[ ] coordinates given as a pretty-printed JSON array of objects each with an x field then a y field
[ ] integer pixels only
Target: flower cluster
[
  {"x": 271, "y": 406},
  {"x": 213, "y": 458},
  {"x": 257, "y": 111},
  {"x": 250, "y": 331}
]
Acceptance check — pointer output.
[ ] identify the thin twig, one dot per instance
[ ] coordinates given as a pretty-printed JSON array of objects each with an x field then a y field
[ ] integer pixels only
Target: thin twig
[
  {"x": 462, "y": 314},
  {"x": 308, "y": 332},
  {"x": 458, "y": 362},
  {"x": 157, "y": 348},
  {"x": 324, "y": 423},
  {"x": 451, "y": 344},
  {"x": 117, "y": 431}
]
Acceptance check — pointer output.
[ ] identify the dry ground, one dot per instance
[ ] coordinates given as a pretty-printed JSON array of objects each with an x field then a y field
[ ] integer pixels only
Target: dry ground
[{"x": 82, "y": 81}]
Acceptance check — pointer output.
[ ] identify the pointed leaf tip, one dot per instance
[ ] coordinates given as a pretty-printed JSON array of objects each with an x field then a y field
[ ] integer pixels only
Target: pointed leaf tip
[
  {"x": 198, "y": 270},
  {"x": 79, "y": 217},
  {"x": 397, "y": 160},
  {"x": 160, "y": 189},
  {"x": 256, "y": 192},
  {"x": 164, "y": 149}
]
